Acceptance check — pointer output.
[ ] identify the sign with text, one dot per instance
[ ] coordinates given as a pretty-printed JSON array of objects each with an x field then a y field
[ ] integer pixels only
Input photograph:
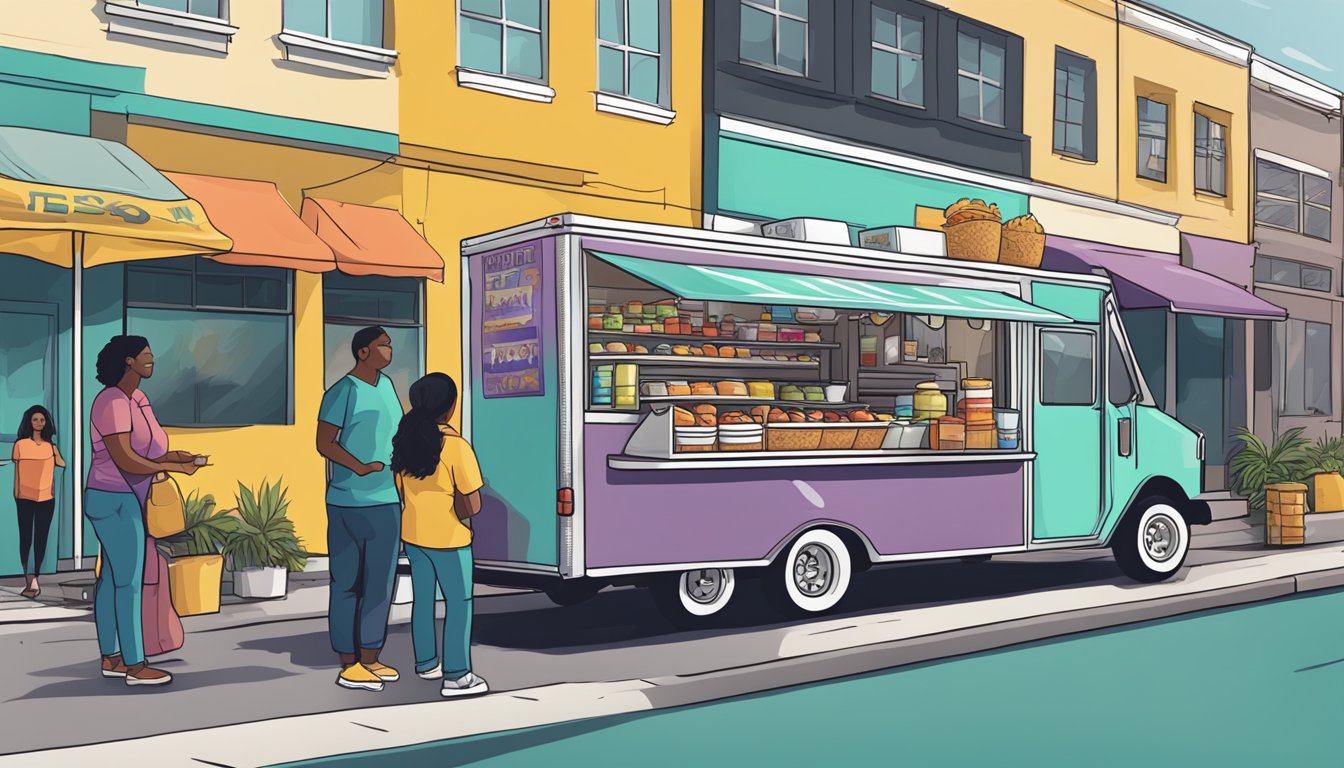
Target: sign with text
[{"x": 511, "y": 359}]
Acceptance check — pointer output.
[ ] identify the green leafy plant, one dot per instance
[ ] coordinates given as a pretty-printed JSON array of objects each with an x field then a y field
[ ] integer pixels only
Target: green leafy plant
[
  {"x": 264, "y": 537},
  {"x": 207, "y": 528},
  {"x": 1326, "y": 455},
  {"x": 1256, "y": 464}
]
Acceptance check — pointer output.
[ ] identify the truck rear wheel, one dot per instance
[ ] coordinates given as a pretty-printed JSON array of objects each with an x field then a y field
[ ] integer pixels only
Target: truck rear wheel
[
  {"x": 690, "y": 598},
  {"x": 813, "y": 574},
  {"x": 1152, "y": 541}
]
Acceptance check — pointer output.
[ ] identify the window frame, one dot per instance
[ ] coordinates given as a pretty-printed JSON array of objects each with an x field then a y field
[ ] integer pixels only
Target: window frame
[
  {"x": 902, "y": 14},
  {"x": 223, "y": 9},
  {"x": 1282, "y": 366},
  {"x": 1064, "y": 59},
  {"x": 1268, "y": 262},
  {"x": 1301, "y": 203},
  {"x": 1140, "y": 171},
  {"x": 778, "y": 13},
  {"x": 982, "y": 37},
  {"x": 354, "y": 322},
  {"x": 1210, "y": 121},
  {"x": 162, "y": 266},
  {"x": 664, "y": 55},
  {"x": 1091, "y": 335},
  {"x": 380, "y": 45},
  {"x": 505, "y": 24}
]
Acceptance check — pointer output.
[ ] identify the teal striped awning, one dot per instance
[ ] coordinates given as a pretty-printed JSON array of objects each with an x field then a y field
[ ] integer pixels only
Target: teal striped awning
[{"x": 753, "y": 286}]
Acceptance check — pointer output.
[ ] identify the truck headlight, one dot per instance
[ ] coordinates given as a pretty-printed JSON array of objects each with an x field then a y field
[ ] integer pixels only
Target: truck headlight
[{"x": 1199, "y": 446}]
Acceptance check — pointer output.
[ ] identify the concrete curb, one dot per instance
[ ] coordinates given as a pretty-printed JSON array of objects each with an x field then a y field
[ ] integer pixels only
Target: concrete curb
[{"x": 329, "y": 734}]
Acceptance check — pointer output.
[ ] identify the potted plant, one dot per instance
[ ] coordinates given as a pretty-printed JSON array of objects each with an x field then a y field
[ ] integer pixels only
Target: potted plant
[
  {"x": 263, "y": 549},
  {"x": 196, "y": 566},
  {"x": 1268, "y": 476},
  {"x": 1326, "y": 458}
]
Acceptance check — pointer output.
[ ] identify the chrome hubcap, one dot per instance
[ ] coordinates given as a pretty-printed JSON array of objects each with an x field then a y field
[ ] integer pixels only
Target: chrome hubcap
[
  {"x": 1161, "y": 538},
  {"x": 703, "y": 587},
  {"x": 812, "y": 570}
]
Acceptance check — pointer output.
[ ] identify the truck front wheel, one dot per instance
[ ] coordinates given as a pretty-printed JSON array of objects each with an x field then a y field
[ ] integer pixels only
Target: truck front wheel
[{"x": 1152, "y": 541}]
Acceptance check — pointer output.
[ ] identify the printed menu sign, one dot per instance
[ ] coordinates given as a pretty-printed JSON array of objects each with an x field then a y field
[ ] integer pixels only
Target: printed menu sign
[{"x": 510, "y": 340}]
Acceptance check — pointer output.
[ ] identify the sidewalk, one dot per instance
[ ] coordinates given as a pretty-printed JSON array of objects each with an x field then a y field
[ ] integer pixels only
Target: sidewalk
[{"x": 789, "y": 655}]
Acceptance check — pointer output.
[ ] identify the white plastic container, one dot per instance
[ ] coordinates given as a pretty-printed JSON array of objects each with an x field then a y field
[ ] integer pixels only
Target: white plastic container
[
  {"x": 915, "y": 435},
  {"x": 835, "y": 393},
  {"x": 1006, "y": 419}
]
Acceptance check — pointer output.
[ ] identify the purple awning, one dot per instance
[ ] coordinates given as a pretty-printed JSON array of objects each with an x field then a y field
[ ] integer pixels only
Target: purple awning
[{"x": 1151, "y": 280}]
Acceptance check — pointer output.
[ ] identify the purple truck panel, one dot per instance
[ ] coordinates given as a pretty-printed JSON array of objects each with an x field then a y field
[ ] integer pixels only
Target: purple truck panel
[{"x": 650, "y": 517}]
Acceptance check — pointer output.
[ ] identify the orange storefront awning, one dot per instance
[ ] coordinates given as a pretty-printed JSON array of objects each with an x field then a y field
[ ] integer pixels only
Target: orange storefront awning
[
  {"x": 264, "y": 229},
  {"x": 372, "y": 241}
]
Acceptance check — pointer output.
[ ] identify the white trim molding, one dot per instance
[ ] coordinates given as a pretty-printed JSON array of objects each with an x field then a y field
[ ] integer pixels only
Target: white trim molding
[
  {"x": 1288, "y": 162},
  {"x": 639, "y": 110},
  {"x": 129, "y": 18},
  {"x": 1184, "y": 32},
  {"x": 893, "y": 161},
  {"x": 337, "y": 55},
  {"x": 1290, "y": 84},
  {"x": 505, "y": 86}
]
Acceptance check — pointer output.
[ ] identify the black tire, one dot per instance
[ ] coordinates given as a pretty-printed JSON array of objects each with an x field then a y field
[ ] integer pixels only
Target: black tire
[
  {"x": 1158, "y": 551},
  {"x": 572, "y": 592},
  {"x": 977, "y": 558}
]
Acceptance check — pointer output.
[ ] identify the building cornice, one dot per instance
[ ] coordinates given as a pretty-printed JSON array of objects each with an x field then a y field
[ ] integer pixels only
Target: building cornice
[
  {"x": 1291, "y": 84},
  {"x": 1183, "y": 31}
]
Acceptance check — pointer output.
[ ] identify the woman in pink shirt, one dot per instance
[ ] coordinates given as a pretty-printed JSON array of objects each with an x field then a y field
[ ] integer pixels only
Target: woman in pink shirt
[
  {"x": 35, "y": 461},
  {"x": 129, "y": 449}
]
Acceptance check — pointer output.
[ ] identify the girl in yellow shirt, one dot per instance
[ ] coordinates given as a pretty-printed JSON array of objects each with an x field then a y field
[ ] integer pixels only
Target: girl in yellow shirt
[{"x": 440, "y": 482}]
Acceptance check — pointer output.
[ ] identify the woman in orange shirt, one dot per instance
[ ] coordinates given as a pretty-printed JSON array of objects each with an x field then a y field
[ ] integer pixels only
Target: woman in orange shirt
[{"x": 35, "y": 461}]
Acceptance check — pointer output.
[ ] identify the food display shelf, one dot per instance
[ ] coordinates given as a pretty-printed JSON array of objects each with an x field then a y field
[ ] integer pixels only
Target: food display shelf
[
  {"x": 704, "y": 461},
  {"x": 695, "y": 361},
  {"x": 717, "y": 341},
  {"x": 804, "y": 404}
]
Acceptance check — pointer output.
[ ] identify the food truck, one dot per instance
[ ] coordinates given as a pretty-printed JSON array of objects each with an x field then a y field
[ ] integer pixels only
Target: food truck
[{"x": 681, "y": 409}]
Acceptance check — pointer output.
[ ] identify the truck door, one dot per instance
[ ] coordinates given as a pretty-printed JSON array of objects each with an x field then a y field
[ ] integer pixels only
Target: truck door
[
  {"x": 1066, "y": 429},
  {"x": 1122, "y": 398}
]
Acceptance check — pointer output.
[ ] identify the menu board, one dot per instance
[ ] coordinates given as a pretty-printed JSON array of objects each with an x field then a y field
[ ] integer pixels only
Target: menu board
[{"x": 510, "y": 340}]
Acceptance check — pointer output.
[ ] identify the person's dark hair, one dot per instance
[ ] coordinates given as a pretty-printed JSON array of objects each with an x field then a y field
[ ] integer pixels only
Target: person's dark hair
[
  {"x": 112, "y": 357},
  {"x": 363, "y": 338},
  {"x": 418, "y": 443},
  {"x": 26, "y": 427}
]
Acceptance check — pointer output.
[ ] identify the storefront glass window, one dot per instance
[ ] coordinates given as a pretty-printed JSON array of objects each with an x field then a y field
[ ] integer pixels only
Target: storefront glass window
[
  {"x": 1147, "y": 332},
  {"x": 1201, "y": 380},
  {"x": 395, "y": 303},
  {"x": 1302, "y": 360}
]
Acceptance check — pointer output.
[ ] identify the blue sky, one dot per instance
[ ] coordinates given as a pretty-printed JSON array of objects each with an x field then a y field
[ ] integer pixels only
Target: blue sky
[{"x": 1302, "y": 34}]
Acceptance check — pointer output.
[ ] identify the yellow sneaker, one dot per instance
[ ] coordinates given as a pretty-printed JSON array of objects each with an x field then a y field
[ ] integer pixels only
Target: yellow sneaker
[
  {"x": 385, "y": 673},
  {"x": 360, "y": 678}
]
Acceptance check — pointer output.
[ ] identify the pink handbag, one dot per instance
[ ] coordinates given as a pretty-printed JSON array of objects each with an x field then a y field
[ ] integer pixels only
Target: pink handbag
[{"x": 159, "y": 621}]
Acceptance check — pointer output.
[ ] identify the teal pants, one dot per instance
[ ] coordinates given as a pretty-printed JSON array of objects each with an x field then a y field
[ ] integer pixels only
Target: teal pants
[
  {"x": 120, "y": 525},
  {"x": 450, "y": 571}
]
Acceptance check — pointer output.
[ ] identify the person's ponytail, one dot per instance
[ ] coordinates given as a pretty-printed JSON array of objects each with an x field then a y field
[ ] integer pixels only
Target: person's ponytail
[{"x": 418, "y": 443}]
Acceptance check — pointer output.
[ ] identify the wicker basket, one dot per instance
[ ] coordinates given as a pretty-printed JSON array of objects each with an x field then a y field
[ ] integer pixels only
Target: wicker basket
[
  {"x": 871, "y": 436},
  {"x": 838, "y": 438},
  {"x": 1022, "y": 249},
  {"x": 792, "y": 438},
  {"x": 1285, "y": 504},
  {"x": 974, "y": 240}
]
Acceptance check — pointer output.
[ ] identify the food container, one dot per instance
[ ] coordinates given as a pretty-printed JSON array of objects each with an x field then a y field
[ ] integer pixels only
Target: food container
[
  {"x": 974, "y": 240},
  {"x": 595, "y": 322},
  {"x": 613, "y": 322},
  {"x": 1008, "y": 440},
  {"x": 728, "y": 327},
  {"x": 915, "y": 436},
  {"x": 838, "y": 437},
  {"x": 792, "y": 334},
  {"x": 653, "y": 389},
  {"x": 741, "y": 437},
  {"x": 1022, "y": 249},
  {"x": 947, "y": 433},
  {"x": 976, "y": 410},
  {"x": 981, "y": 437},
  {"x": 791, "y": 392},
  {"x": 814, "y": 394},
  {"x": 868, "y": 351},
  {"x": 746, "y": 332},
  {"x": 767, "y": 332},
  {"x": 871, "y": 435},
  {"x": 929, "y": 401},
  {"x": 1007, "y": 419},
  {"x": 835, "y": 393},
  {"x": 665, "y": 310},
  {"x": 634, "y": 308},
  {"x": 794, "y": 436},
  {"x": 911, "y": 350},
  {"x": 905, "y": 406},
  {"x": 694, "y": 439}
]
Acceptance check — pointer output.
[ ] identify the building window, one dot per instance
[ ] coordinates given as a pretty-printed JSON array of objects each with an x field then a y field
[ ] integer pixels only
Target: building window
[
  {"x": 898, "y": 57},
  {"x": 221, "y": 337},
  {"x": 774, "y": 34},
  {"x": 1286, "y": 198},
  {"x": 394, "y": 303},
  {"x": 1068, "y": 367},
  {"x": 1152, "y": 140},
  {"x": 347, "y": 21},
  {"x": 215, "y": 9},
  {"x": 980, "y": 77},
  {"x": 630, "y": 49},
  {"x": 1272, "y": 271},
  {"x": 1075, "y": 105},
  {"x": 1302, "y": 359},
  {"x": 504, "y": 37},
  {"x": 1210, "y": 156}
]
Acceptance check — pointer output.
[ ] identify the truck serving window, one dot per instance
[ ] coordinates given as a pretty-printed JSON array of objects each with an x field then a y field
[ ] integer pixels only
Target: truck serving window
[{"x": 1068, "y": 364}]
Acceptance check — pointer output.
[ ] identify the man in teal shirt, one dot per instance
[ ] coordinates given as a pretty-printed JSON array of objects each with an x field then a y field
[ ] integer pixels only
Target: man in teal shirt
[{"x": 356, "y": 422}]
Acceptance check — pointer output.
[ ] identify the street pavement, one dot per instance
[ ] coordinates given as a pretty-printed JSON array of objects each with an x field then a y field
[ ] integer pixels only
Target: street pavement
[
  {"x": 1250, "y": 686},
  {"x": 235, "y": 670}
]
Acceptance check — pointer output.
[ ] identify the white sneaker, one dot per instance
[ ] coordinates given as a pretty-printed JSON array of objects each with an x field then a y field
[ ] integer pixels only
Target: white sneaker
[
  {"x": 431, "y": 674},
  {"x": 467, "y": 685}
]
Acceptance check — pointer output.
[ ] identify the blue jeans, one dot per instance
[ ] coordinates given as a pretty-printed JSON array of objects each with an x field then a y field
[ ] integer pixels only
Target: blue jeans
[
  {"x": 362, "y": 544},
  {"x": 450, "y": 570},
  {"x": 119, "y": 523}
]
